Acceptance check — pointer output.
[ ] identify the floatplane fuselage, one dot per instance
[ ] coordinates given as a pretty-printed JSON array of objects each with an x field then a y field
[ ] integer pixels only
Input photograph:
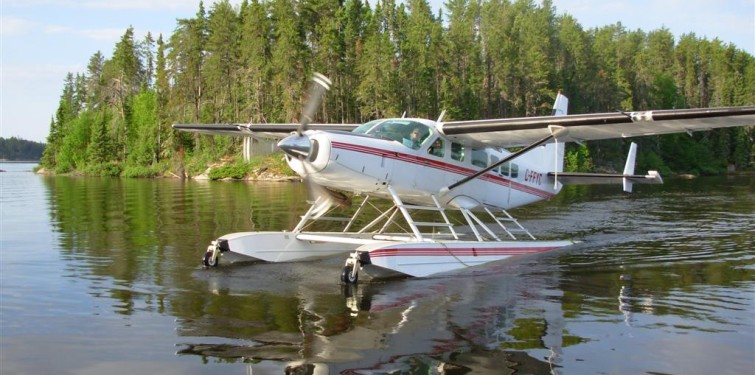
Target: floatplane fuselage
[
  {"x": 376, "y": 160},
  {"x": 435, "y": 166}
]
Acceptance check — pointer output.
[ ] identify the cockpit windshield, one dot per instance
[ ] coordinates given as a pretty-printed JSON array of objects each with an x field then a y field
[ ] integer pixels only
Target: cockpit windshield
[{"x": 410, "y": 133}]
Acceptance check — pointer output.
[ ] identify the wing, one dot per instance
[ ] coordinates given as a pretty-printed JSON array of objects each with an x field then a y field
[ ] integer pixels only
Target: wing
[
  {"x": 523, "y": 131},
  {"x": 265, "y": 131}
]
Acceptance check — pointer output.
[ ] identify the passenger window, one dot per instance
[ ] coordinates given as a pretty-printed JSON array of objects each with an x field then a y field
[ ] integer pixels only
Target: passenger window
[
  {"x": 514, "y": 170},
  {"x": 493, "y": 160},
  {"x": 437, "y": 148},
  {"x": 457, "y": 151},
  {"x": 509, "y": 169},
  {"x": 479, "y": 158}
]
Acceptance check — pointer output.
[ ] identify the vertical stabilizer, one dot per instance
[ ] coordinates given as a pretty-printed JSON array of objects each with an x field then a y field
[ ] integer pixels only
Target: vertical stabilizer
[
  {"x": 561, "y": 105},
  {"x": 560, "y": 108},
  {"x": 629, "y": 167}
]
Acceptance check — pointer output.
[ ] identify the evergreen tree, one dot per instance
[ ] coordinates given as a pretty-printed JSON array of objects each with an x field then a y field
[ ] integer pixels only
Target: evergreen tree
[
  {"x": 99, "y": 150},
  {"x": 185, "y": 61},
  {"x": 146, "y": 54},
  {"x": 254, "y": 62},
  {"x": 353, "y": 17},
  {"x": 221, "y": 60},
  {"x": 94, "y": 81},
  {"x": 162, "y": 91},
  {"x": 288, "y": 60},
  {"x": 462, "y": 85},
  {"x": 416, "y": 63},
  {"x": 375, "y": 90},
  {"x": 322, "y": 35},
  {"x": 51, "y": 149}
]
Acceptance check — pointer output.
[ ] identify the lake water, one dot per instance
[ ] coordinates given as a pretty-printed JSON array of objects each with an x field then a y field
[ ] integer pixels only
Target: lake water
[{"x": 103, "y": 276}]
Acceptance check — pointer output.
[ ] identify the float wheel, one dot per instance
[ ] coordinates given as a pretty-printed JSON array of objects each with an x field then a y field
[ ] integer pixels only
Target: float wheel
[
  {"x": 208, "y": 260},
  {"x": 349, "y": 277}
]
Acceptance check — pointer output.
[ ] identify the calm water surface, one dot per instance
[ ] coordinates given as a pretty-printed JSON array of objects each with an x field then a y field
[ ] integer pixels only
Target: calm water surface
[{"x": 102, "y": 276}]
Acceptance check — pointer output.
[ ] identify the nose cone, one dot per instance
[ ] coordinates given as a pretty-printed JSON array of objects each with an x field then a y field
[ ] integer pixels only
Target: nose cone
[{"x": 297, "y": 146}]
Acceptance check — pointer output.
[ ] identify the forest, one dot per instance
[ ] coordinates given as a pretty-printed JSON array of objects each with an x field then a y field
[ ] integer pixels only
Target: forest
[
  {"x": 17, "y": 149},
  {"x": 475, "y": 59}
]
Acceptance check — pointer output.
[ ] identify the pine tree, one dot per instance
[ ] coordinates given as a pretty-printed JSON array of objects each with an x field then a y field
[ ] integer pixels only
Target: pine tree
[
  {"x": 94, "y": 81},
  {"x": 162, "y": 91},
  {"x": 254, "y": 60},
  {"x": 48, "y": 156},
  {"x": 185, "y": 61},
  {"x": 221, "y": 61},
  {"x": 146, "y": 54},
  {"x": 374, "y": 67},
  {"x": 462, "y": 84},
  {"x": 352, "y": 16},
  {"x": 288, "y": 60}
]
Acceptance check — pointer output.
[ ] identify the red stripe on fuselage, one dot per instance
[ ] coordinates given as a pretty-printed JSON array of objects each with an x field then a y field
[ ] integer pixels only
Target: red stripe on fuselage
[{"x": 445, "y": 167}]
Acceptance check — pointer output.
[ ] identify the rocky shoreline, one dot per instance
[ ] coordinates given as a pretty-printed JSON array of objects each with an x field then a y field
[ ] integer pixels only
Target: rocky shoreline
[{"x": 261, "y": 174}]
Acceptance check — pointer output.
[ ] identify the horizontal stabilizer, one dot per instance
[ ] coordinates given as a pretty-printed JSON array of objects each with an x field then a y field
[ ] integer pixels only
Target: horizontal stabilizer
[{"x": 653, "y": 177}]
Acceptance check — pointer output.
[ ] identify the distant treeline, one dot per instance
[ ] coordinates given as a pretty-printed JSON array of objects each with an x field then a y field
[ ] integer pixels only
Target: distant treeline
[
  {"x": 478, "y": 59},
  {"x": 20, "y": 149}
]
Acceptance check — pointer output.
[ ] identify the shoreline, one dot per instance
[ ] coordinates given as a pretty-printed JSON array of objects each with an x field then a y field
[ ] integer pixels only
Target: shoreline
[{"x": 260, "y": 174}]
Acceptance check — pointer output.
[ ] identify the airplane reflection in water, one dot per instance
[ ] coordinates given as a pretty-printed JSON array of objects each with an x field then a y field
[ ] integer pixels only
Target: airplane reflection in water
[{"x": 485, "y": 322}]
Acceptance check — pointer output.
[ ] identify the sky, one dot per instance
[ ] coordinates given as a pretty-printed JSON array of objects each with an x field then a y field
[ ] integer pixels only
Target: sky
[{"x": 42, "y": 40}]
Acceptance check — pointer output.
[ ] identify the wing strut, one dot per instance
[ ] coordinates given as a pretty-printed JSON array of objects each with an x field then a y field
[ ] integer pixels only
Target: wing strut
[{"x": 556, "y": 131}]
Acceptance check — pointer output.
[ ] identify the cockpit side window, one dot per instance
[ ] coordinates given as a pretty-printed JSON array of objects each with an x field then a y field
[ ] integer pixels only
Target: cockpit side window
[{"x": 410, "y": 133}]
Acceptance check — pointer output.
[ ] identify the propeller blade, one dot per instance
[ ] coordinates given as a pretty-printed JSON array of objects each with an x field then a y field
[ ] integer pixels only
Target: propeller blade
[
  {"x": 299, "y": 146},
  {"x": 320, "y": 84}
]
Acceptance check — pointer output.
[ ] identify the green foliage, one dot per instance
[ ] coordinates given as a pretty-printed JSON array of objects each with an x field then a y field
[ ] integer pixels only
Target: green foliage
[
  {"x": 237, "y": 169},
  {"x": 578, "y": 159},
  {"x": 100, "y": 148},
  {"x": 651, "y": 161},
  {"x": 106, "y": 169},
  {"x": 197, "y": 164},
  {"x": 140, "y": 171},
  {"x": 142, "y": 136},
  {"x": 482, "y": 59},
  {"x": 273, "y": 163},
  {"x": 75, "y": 139}
]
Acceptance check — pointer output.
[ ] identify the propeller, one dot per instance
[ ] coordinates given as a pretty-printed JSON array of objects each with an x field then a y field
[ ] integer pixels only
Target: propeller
[
  {"x": 299, "y": 146},
  {"x": 320, "y": 85}
]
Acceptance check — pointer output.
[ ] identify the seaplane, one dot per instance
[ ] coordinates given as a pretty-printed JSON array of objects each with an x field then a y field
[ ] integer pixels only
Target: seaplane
[{"x": 446, "y": 186}]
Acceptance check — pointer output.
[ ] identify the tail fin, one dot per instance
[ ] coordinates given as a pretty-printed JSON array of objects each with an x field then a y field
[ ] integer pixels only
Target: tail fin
[
  {"x": 561, "y": 105},
  {"x": 555, "y": 151}
]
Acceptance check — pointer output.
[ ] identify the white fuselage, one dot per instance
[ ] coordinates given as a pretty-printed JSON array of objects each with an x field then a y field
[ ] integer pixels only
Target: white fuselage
[{"x": 368, "y": 164}]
